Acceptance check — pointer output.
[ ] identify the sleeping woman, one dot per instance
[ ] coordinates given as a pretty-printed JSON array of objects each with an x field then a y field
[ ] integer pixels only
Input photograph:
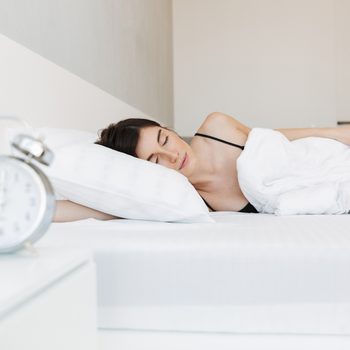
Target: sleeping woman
[{"x": 209, "y": 162}]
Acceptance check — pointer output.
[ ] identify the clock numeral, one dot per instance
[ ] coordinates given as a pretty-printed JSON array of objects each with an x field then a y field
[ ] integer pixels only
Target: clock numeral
[
  {"x": 28, "y": 216},
  {"x": 28, "y": 187},
  {"x": 2, "y": 232},
  {"x": 32, "y": 201},
  {"x": 16, "y": 227},
  {"x": 16, "y": 178}
]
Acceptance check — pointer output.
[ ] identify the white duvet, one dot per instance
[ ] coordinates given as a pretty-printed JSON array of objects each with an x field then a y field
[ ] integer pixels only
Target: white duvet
[{"x": 305, "y": 176}]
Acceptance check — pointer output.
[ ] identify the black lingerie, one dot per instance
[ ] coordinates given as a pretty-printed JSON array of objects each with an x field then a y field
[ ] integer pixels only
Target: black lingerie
[{"x": 248, "y": 209}]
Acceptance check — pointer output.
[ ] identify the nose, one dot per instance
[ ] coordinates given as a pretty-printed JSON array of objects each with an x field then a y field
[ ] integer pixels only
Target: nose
[{"x": 170, "y": 156}]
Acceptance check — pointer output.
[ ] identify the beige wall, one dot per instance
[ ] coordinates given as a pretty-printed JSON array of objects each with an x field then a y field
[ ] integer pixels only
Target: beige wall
[
  {"x": 273, "y": 62},
  {"x": 270, "y": 61},
  {"x": 122, "y": 46},
  {"x": 343, "y": 59}
]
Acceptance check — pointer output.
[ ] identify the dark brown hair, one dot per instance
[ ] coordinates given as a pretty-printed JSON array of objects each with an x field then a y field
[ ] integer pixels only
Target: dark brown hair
[{"x": 124, "y": 135}]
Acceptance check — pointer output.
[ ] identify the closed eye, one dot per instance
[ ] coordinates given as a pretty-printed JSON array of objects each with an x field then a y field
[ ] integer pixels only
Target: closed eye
[
  {"x": 166, "y": 140},
  {"x": 151, "y": 157}
]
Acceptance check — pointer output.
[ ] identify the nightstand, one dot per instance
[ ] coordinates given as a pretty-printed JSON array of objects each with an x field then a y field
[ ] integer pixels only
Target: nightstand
[{"x": 48, "y": 301}]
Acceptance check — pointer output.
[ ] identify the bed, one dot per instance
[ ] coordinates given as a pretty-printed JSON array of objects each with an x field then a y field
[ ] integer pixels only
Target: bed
[{"x": 245, "y": 273}]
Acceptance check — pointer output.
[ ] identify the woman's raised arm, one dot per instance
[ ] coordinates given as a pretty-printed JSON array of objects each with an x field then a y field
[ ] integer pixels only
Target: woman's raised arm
[
  {"x": 224, "y": 124},
  {"x": 340, "y": 134}
]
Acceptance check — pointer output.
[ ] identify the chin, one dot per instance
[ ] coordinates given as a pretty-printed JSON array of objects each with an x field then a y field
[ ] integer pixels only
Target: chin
[{"x": 184, "y": 172}]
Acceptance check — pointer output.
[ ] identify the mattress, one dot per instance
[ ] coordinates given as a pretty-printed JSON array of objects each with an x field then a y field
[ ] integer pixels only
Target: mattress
[{"x": 245, "y": 273}]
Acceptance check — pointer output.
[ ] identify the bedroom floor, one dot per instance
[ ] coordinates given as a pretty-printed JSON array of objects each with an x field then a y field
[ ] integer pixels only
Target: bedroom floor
[{"x": 146, "y": 340}]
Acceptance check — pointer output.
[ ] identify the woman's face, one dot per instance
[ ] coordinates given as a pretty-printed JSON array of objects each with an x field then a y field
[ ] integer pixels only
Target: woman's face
[{"x": 165, "y": 147}]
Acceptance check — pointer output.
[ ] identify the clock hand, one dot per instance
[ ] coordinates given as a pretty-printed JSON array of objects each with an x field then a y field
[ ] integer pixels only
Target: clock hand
[{"x": 3, "y": 177}]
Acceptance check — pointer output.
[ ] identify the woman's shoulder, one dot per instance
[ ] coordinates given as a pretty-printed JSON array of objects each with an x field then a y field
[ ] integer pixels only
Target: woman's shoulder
[{"x": 218, "y": 122}]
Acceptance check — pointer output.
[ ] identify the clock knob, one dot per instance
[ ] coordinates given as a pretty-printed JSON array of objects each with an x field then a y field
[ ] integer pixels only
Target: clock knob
[{"x": 33, "y": 148}]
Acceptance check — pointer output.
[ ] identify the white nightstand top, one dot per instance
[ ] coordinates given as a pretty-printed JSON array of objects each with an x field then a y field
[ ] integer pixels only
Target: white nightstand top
[{"x": 23, "y": 275}]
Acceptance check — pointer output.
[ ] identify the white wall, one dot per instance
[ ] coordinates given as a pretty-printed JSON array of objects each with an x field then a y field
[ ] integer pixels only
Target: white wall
[
  {"x": 122, "y": 46},
  {"x": 44, "y": 94},
  {"x": 270, "y": 61}
]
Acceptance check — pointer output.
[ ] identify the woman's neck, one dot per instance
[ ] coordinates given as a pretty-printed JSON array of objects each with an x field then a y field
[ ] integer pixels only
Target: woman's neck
[{"x": 205, "y": 172}]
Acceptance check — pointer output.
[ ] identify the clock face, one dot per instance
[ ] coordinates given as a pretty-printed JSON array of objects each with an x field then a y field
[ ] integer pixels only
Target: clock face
[{"x": 23, "y": 201}]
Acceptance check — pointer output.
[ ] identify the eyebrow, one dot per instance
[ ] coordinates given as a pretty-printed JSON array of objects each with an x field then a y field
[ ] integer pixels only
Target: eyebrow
[{"x": 158, "y": 138}]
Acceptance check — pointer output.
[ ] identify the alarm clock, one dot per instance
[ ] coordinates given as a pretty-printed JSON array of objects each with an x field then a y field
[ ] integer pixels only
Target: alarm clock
[{"x": 27, "y": 200}]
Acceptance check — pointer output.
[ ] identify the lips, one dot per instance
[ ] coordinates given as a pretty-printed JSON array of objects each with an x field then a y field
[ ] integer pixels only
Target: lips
[{"x": 184, "y": 161}]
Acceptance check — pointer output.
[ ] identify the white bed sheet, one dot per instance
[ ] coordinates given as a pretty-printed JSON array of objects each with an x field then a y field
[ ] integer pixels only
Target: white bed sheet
[{"x": 246, "y": 273}]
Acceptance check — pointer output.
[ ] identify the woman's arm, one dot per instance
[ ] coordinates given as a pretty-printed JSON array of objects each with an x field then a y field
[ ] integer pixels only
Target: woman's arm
[
  {"x": 69, "y": 211},
  {"x": 220, "y": 124},
  {"x": 340, "y": 134}
]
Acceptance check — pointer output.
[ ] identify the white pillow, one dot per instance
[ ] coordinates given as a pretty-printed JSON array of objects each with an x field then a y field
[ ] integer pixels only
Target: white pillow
[
  {"x": 119, "y": 184},
  {"x": 54, "y": 138}
]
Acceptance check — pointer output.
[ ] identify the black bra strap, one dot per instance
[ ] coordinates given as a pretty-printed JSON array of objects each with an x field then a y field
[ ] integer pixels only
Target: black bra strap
[{"x": 223, "y": 141}]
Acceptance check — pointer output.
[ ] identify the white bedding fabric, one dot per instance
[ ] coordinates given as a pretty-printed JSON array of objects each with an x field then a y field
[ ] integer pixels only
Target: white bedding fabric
[
  {"x": 246, "y": 273},
  {"x": 305, "y": 176}
]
